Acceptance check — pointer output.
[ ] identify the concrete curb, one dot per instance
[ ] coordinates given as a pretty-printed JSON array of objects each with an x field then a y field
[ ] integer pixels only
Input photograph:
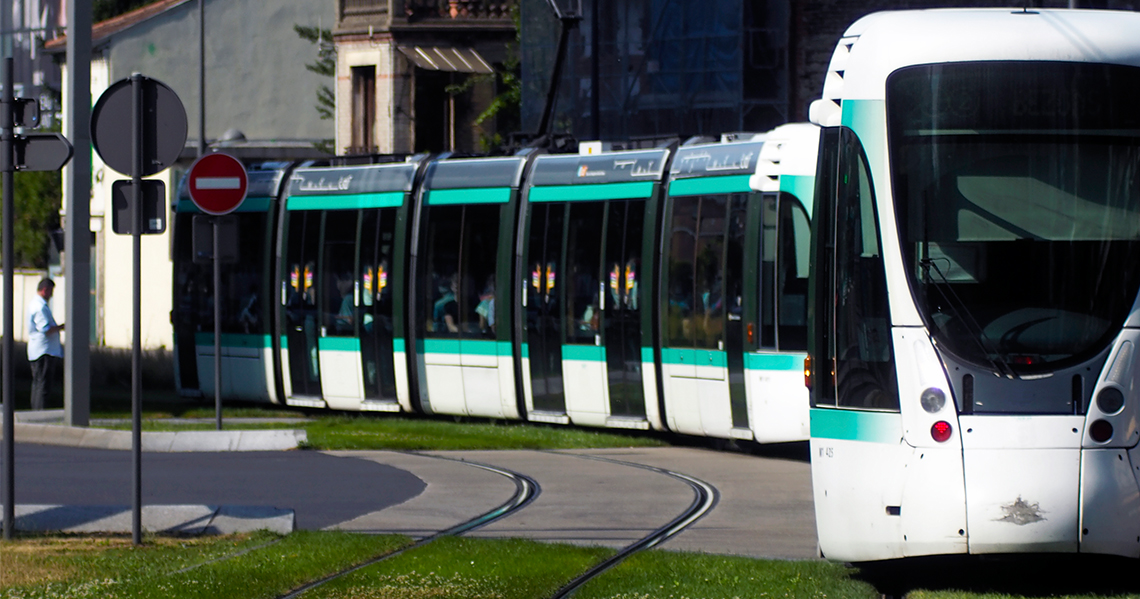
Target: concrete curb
[
  {"x": 178, "y": 519},
  {"x": 173, "y": 442}
]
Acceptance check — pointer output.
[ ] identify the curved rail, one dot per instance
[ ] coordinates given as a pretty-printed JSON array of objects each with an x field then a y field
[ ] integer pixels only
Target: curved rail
[
  {"x": 705, "y": 499},
  {"x": 526, "y": 491}
]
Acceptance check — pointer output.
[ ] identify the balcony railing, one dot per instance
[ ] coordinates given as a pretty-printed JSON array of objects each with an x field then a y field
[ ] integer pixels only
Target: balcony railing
[{"x": 458, "y": 9}]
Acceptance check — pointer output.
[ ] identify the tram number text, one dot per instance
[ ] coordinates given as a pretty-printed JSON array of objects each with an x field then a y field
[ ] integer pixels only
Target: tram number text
[{"x": 826, "y": 452}]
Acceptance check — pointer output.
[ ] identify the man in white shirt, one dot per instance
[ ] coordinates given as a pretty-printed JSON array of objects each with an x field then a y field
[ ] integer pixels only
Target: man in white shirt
[{"x": 45, "y": 352}]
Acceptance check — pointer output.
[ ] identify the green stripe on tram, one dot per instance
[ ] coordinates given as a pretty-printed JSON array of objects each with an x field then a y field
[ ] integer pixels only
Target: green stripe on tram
[
  {"x": 234, "y": 340},
  {"x": 710, "y": 185},
  {"x": 584, "y": 353},
  {"x": 347, "y": 344},
  {"x": 398, "y": 345},
  {"x": 250, "y": 204},
  {"x": 350, "y": 201},
  {"x": 774, "y": 361},
  {"x": 472, "y": 195},
  {"x": 856, "y": 425},
  {"x": 471, "y": 347},
  {"x": 632, "y": 190}
]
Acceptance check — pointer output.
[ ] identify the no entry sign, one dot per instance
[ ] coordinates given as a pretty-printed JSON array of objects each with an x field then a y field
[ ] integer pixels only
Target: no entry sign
[{"x": 218, "y": 183}]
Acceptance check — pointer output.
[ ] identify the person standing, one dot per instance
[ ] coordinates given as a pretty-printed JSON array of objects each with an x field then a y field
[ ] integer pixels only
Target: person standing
[{"x": 45, "y": 352}]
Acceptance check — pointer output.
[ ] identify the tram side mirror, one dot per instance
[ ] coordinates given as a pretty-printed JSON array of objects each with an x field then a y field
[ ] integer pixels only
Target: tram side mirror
[{"x": 203, "y": 242}]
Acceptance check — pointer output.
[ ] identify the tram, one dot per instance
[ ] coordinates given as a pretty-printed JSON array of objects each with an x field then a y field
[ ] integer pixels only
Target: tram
[
  {"x": 974, "y": 309},
  {"x": 653, "y": 289}
]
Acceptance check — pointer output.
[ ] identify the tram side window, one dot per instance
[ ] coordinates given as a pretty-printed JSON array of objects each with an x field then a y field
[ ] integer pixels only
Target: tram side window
[
  {"x": 478, "y": 263},
  {"x": 244, "y": 307},
  {"x": 583, "y": 264},
  {"x": 679, "y": 326},
  {"x": 769, "y": 221},
  {"x": 339, "y": 274},
  {"x": 709, "y": 276},
  {"x": 461, "y": 260},
  {"x": 794, "y": 267},
  {"x": 441, "y": 285},
  {"x": 865, "y": 373}
]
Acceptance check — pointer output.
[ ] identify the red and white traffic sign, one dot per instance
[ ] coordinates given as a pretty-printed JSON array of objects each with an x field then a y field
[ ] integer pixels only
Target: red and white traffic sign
[{"x": 218, "y": 183}]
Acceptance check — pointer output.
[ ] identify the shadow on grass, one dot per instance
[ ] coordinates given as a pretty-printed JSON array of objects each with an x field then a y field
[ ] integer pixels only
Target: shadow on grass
[{"x": 1029, "y": 575}]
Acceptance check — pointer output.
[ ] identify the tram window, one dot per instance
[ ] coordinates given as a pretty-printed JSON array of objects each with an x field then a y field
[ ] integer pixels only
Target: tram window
[
  {"x": 441, "y": 285},
  {"x": 769, "y": 220},
  {"x": 794, "y": 241},
  {"x": 623, "y": 255},
  {"x": 338, "y": 274},
  {"x": 583, "y": 264},
  {"x": 865, "y": 372},
  {"x": 679, "y": 327},
  {"x": 734, "y": 257},
  {"x": 478, "y": 263},
  {"x": 241, "y": 294},
  {"x": 709, "y": 275}
]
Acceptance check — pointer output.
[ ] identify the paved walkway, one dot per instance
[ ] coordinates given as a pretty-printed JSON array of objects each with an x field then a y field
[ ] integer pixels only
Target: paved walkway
[{"x": 764, "y": 506}]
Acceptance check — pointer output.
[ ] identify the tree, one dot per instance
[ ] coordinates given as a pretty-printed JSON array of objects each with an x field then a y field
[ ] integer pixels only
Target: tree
[
  {"x": 325, "y": 66},
  {"x": 38, "y": 196},
  {"x": 101, "y": 10},
  {"x": 506, "y": 107}
]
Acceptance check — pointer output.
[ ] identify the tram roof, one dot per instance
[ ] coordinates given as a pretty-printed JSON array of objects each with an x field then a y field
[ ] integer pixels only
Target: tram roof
[
  {"x": 351, "y": 180},
  {"x": 876, "y": 45},
  {"x": 476, "y": 173},
  {"x": 607, "y": 167}
]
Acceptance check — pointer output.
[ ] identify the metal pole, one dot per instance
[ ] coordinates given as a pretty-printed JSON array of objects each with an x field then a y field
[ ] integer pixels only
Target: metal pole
[
  {"x": 216, "y": 224},
  {"x": 7, "y": 134},
  {"x": 202, "y": 79},
  {"x": 77, "y": 221},
  {"x": 595, "y": 70},
  {"x": 136, "y": 343}
]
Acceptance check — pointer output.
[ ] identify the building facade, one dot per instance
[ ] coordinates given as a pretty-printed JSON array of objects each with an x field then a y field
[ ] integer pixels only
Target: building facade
[
  {"x": 260, "y": 105},
  {"x": 399, "y": 63}
]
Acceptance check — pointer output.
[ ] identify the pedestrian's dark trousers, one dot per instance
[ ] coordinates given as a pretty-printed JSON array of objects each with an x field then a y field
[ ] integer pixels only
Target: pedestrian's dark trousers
[{"x": 43, "y": 375}]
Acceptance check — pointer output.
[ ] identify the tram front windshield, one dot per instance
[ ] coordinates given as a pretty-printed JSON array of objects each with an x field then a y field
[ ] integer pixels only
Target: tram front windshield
[{"x": 1017, "y": 193}]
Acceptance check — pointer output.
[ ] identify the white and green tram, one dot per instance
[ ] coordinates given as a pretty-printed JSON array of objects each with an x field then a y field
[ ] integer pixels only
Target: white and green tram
[
  {"x": 974, "y": 310},
  {"x": 655, "y": 289}
]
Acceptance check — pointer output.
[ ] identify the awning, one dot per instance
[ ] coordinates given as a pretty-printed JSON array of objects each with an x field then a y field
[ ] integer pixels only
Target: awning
[{"x": 441, "y": 58}]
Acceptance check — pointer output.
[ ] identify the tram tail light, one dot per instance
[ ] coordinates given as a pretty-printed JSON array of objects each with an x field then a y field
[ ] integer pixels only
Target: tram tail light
[
  {"x": 807, "y": 372},
  {"x": 941, "y": 431}
]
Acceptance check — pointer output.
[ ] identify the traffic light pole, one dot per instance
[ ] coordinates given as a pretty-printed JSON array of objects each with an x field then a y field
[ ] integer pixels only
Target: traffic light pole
[{"x": 8, "y": 166}]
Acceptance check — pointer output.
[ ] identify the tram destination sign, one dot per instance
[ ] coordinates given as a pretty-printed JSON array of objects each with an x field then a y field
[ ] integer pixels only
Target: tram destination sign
[
  {"x": 375, "y": 178},
  {"x": 618, "y": 167},
  {"x": 717, "y": 160},
  {"x": 218, "y": 183}
]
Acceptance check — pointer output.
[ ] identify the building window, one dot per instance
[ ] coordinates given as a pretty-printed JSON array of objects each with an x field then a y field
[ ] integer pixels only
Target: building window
[{"x": 363, "y": 110}]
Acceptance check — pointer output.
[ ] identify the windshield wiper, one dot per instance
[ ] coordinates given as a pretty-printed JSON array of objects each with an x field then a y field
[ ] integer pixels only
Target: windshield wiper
[{"x": 963, "y": 314}]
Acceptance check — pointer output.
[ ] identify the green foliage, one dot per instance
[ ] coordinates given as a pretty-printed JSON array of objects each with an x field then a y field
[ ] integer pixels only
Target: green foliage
[
  {"x": 101, "y": 10},
  {"x": 38, "y": 196},
  {"x": 506, "y": 107},
  {"x": 325, "y": 66}
]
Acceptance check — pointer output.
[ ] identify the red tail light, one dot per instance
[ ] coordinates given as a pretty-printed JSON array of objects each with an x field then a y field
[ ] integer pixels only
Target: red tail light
[{"x": 941, "y": 431}]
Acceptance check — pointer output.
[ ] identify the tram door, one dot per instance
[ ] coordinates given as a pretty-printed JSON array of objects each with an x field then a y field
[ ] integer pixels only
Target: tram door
[
  {"x": 377, "y": 233},
  {"x": 544, "y": 311},
  {"x": 339, "y": 290},
  {"x": 706, "y": 315},
  {"x": 621, "y": 316},
  {"x": 301, "y": 316}
]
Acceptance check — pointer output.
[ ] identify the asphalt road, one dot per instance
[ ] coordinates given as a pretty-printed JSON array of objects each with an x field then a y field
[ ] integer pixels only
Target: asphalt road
[{"x": 322, "y": 489}]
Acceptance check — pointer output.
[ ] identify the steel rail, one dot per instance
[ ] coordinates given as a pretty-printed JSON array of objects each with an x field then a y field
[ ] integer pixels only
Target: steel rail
[
  {"x": 526, "y": 491},
  {"x": 705, "y": 498}
]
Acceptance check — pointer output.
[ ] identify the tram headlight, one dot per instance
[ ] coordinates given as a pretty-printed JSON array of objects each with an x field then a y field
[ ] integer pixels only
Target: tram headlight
[
  {"x": 1100, "y": 431},
  {"x": 941, "y": 431},
  {"x": 1110, "y": 400},
  {"x": 932, "y": 400}
]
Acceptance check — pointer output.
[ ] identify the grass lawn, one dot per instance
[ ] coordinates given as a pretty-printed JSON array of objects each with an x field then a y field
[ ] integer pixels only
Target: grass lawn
[{"x": 459, "y": 568}]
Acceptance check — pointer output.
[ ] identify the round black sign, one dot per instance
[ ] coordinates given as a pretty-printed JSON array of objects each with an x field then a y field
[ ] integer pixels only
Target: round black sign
[{"x": 163, "y": 125}]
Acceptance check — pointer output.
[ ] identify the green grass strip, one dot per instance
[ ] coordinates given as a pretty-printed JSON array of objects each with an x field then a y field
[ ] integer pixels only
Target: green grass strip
[
  {"x": 674, "y": 575},
  {"x": 465, "y": 568}
]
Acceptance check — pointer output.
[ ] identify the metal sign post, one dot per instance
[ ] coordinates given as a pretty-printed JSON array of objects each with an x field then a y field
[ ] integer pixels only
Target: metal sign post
[
  {"x": 32, "y": 152},
  {"x": 157, "y": 122},
  {"x": 218, "y": 184}
]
